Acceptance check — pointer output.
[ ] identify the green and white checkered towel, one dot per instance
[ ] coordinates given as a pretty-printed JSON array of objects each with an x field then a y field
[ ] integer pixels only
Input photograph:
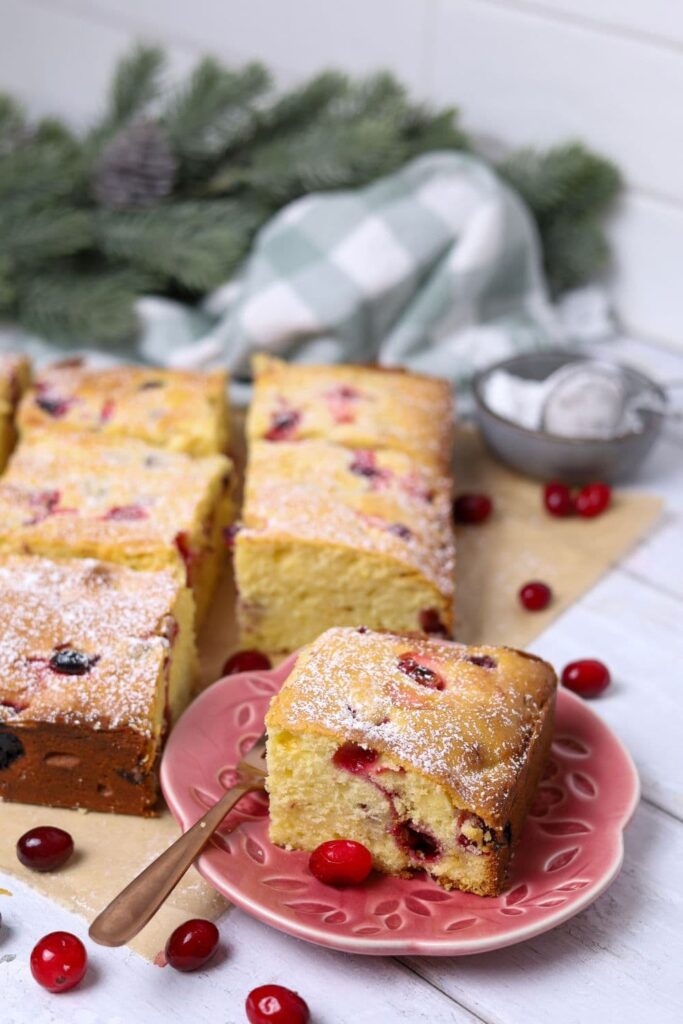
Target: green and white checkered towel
[{"x": 435, "y": 267}]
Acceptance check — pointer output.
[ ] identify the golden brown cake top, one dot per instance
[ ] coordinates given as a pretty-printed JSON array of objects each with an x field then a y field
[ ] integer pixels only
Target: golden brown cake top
[
  {"x": 15, "y": 372},
  {"x": 357, "y": 406},
  {"x": 114, "y": 491},
  {"x": 83, "y": 642},
  {"x": 180, "y": 410},
  {"x": 381, "y": 502},
  {"x": 463, "y": 716}
]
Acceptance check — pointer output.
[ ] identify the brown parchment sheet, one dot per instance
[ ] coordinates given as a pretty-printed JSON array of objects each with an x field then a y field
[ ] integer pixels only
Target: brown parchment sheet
[{"x": 521, "y": 542}]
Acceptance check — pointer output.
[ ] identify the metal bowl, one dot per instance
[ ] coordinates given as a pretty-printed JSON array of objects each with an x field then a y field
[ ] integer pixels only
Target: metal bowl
[{"x": 548, "y": 456}]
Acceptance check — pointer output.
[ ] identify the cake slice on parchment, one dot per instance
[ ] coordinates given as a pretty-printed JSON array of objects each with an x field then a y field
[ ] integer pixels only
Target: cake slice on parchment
[
  {"x": 426, "y": 751},
  {"x": 96, "y": 663}
]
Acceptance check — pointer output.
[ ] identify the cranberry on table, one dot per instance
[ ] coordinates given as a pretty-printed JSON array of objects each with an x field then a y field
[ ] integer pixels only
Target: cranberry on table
[
  {"x": 341, "y": 862},
  {"x": 472, "y": 508},
  {"x": 246, "y": 661},
  {"x": 59, "y": 961},
  {"x": 557, "y": 499},
  {"x": 275, "y": 1004},
  {"x": 45, "y": 848},
  {"x": 593, "y": 499},
  {"x": 588, "y": 677},
  {"x": 535, "y": 596},
  {"x": 192, "y": 944}
]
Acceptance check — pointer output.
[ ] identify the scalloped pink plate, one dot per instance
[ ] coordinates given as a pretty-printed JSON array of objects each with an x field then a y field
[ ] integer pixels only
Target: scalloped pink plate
[{"x": 572, "y": 847}]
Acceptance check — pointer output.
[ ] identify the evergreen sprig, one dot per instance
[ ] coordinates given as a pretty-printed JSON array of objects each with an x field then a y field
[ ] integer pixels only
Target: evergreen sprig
[{"x": 87, "y": 224}]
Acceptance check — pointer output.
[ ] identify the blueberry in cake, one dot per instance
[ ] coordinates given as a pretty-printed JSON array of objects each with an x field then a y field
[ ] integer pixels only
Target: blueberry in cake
[
  {"x": 96, "y": 662},
  {"x": 425, "y": 751}
]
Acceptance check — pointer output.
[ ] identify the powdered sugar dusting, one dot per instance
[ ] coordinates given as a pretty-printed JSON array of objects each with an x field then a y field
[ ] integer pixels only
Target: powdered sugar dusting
[
  {"x": 119, "y": 617},
  {"x": 473, "y": 736}
]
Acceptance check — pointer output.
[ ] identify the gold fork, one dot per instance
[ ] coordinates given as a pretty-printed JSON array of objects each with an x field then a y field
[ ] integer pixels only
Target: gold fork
[{"x": 130, "y": 911}]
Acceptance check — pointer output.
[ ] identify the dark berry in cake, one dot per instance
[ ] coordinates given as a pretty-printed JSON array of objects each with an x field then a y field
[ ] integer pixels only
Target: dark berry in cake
[
  {"x": 275, "y": 1004},
  {"x": 59, "y": 961},
  {"x": 69, "y": 662},
  {"x": 150, "y": 385},
  {"x": 410, "y": 666},
  {"x": 535, "y": 596},
  {"x": 351, "y": 757},
  {"x": 430, "y": 622},
  {"x": 588, "y": 677},
  {"x": 45, "y": 848},
  {"x": 469, "y": 509},
  {"x": 11, "y": 748},
  {"x": 341, "y": 862},
  {"x": 419, "y": 843},
  {"x": 483, "y": 660},
  {"x": 246, "y": 661},
  {"x": 55, "y": 407},
  {"x": 127, "y": 512},
  {"x": 283, "y": 424},
  {"x": 593, "y": 499},
  {"x": 192, "y": 944},
  {"x": 401, "y": 530},
  {"x": 557, "y": 499}
]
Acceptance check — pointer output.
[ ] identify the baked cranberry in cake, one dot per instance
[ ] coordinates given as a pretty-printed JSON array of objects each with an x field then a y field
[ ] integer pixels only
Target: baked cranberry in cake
[
  {"x": 283, "y": 424},
  {"x": 353, "y": 758},
  {"x": 69, "y": 662},
  {"x": 53, "y": 406},
  {"x": 341, "y": 402},
  {"x": 421, "y": 673},
  {"x": 127, "y": 512},
  {"x": 430, "y": 622}
]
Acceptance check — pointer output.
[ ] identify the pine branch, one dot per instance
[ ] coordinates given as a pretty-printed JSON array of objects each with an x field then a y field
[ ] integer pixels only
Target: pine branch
[
  {"x": 12, "y": 124},
  {"x": 196, "y": 245},
  {"x": 135, "y": 86},
  {"x": 33, "y": 236},
  {"x": 7, "y": 287},
  {"x": 568, "y": 177},
  {"x": 47, "y": 168},
  {"x": 93, "y": 306},
  {"x": 574, "y": 251}
]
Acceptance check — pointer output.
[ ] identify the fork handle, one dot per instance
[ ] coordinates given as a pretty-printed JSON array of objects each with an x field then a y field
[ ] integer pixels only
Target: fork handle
[{"x": 129, "y": 912}]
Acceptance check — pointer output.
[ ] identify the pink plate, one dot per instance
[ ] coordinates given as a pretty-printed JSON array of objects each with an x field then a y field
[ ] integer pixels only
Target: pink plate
[{"x": 571, "y": 850}]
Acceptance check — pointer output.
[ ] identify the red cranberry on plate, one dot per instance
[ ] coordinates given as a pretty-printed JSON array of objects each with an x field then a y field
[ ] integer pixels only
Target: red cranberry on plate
[
  {"x": 275, "y": 1004},
  {"x": 472, "y": 508},
  {"x": 588, "y": 677},
  {"x": 593, "y": 499},
  {"x": 341, "y": 862},
  {"x": 59, "y": 961},
  {"x": 246, "y": 661},
  {"x": 535, "y": 596},
  {"x": 45, "y": 848},
  {"x": 557, "y": 499},
  {"x": 192, "y": 944}
]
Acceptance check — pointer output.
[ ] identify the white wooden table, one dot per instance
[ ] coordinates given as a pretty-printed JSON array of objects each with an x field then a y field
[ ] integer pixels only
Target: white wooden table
[{"x": 619, "y": 961}]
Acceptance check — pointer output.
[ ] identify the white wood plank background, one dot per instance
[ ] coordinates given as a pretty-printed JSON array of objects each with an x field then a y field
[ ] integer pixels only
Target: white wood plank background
[{"x": 619, "y": 960}]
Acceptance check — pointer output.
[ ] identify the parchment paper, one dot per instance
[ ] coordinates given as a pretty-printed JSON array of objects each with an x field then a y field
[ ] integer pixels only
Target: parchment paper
[{"x": 521, "y": 542}]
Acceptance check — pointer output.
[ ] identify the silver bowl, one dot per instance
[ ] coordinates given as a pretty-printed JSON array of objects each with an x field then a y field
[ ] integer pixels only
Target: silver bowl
[{"x": 550, "y": 457}]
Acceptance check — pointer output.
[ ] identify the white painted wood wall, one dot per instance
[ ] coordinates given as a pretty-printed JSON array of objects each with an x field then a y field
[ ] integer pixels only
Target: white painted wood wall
[{"x": 523, "y": 71}]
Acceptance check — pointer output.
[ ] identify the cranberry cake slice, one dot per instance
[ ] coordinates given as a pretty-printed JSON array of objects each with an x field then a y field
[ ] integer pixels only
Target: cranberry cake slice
[
  {"x": 355, "y": 406},
  {"x": 333, "y": 536},
  {"x": 15, "y": 374},
  {"x": 180, "y": 410},
  {"x": 118, "y": 499},
  {"x": 96, "y": 662},
  {"x": 427, "y": 752}
]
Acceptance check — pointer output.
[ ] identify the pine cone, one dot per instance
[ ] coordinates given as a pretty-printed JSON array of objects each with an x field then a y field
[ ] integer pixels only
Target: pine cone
[{"x": 137, "y": 168}]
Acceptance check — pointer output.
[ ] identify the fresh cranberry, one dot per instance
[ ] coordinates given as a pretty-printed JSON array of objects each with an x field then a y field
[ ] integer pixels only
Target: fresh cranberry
[
  {"x": 472, "y": 508},
  {"x": 246, "y": 661},
  {"x": 535, "y": 596},
  {"x": 593, "y": 499},
  {"x": 59, "y": 961},
  {"x": 283, "y": 424},
  {"x": 275, "y": 1004},
  {"x": 587, "y": 677},
  {"x": 341, "y": 862},
  {"x": 410, "y": 666},
  {"x": 558, "y": 500},
  {"x": 45, "y": 848},
  {"x": 430, "y": 622},
  {"x": 127, "y": 512},
  {"x": 69, "y": 662},
  {"x": 351, "y": 757},
  {"x": 192, "y": 944}
]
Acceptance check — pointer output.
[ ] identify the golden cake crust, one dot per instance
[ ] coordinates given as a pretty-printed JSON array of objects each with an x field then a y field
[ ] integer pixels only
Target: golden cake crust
[
  {"x": 377, "y": 502},
  {"x": 175, "y": 409},
  {"x": 355, "y": 406},
  {"x": 476, "y": 736}
]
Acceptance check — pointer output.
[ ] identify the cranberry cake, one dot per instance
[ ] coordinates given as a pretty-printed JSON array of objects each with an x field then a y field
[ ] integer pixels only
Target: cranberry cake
[
  {"x": 120, "y": 500},
  {"x": 15, "y": 373},
  {"x": 341, "y": 536},
  {"x": 356, "y": 406},
  {"x": 179, "y": 410},
  {"x": 96, "y": 661},
  {"x": 427, "y": 752}
]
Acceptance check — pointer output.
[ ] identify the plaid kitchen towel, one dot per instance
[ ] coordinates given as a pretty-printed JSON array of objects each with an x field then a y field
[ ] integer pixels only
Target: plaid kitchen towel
[{"x": 435, "y": 267}]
